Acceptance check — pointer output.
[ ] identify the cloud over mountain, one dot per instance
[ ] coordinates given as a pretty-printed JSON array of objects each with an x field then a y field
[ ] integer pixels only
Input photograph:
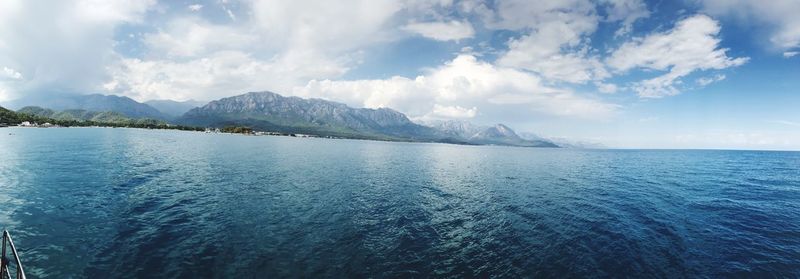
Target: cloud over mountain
[{"x": 506, "y": 61}]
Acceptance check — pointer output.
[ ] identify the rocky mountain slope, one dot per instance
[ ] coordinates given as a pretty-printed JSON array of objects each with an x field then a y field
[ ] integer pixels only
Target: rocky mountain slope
[
  {"x": 498, "y": 134},
  {"x": 269, "y": 111}
]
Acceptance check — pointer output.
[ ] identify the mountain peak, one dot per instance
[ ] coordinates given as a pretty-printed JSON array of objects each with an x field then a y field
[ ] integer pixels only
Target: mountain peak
[
  {"x": 497, "y": 132},
  {"x": 458, "y": 128},
  {"x": 505, "y": 131}
]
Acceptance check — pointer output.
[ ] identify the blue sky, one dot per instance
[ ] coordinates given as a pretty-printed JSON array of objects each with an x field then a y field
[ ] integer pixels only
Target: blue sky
[{"x": 625, "y": 73}]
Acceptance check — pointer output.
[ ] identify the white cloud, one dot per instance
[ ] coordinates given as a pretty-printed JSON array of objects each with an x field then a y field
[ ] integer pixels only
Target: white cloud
[
  {"x": 61, "y": 46},
  {"x": 111, "y": 11},
  {"x": 692, "y": 45},
  {"x": 195, "y": 7},
  {"x": 538, "y": 74},
  {"x": 780, "y": 16},
  {"x": 442, "y": 31},
  {"x": 703, "y": 81},
  {"x": 449, "y": 112},
  {"x": 627, "y": 11},
  {"x": 541, "y": 53},
  {"x": 278, "y": 45},
  {"x": 407, "y": 95},
  {"x": 192, "y": 36},
  {"x": 283, "y": 44},
  {"x": 331, "y": 25},
  {"x": 523, "y": 14},
  {"x": 555, "y": 45},
  {"x": 217, "y": 75},
  {"x": 9, "y": 73},
  {"x": 464, "y": 82}
]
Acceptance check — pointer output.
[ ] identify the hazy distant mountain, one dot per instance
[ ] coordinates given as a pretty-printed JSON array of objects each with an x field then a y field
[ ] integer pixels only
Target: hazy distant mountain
[
  {"x": 94, "y": 102},
  {"x": 174, "y": 108},
  {"x": 268, "y": 111},
  {"x": 84, "y": 115},
  {"x": 563, "y": 142},
  {"x": 457, "y": 128},
  {"x": 531, "y": 136},
  {"x": 495, "y": 135},
  {"x": 38, "y": 111}
]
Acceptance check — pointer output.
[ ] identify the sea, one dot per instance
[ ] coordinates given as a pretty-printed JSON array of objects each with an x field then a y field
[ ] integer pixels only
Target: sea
[{"x": 137, "y": 203}]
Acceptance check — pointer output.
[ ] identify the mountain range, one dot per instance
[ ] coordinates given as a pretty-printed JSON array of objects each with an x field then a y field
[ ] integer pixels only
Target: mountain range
[
  {"x": 81, "y": 115},
  {"x": 272, "y": 112},
  {"x": 268, "y": 111},
  {"x": 498, "y": 134},
  {"x": 94, "y": 102}
]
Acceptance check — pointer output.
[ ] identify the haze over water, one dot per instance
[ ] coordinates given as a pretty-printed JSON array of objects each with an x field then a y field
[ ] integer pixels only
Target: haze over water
[{"x": 98, "y": 202}]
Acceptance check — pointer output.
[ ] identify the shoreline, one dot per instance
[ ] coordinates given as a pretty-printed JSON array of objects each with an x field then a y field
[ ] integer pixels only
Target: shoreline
[
  {"x": 271, "y": 134},
  {"x": 426, "y": 142}
]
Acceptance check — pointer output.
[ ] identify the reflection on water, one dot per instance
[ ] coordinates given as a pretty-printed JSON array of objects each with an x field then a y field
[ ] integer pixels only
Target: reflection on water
[{"x": 123, "y": 203}]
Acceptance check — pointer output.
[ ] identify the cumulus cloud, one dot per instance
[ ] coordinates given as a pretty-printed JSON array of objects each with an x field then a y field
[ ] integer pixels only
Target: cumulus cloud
[
  {"x": 780, "y": 16},
  {"x": 464, "y": 82},
  {"x": 442, "y": 31},
  {"x": 790, "y": 54},
  {"x": 554, "y": 45},
  {"x": 193, "y": 36},
  {"x": 285, "y": 47},
  {"x": 219, "y": 75},
  {"x": 691, "y": 45},
  {"x": 279, "y": 45},
  {"x": 61, "y": 46},
  {"x": 449, "y": 112},
  {"x": 216, "y": 75},
  {"x": 331, "y": 25}
]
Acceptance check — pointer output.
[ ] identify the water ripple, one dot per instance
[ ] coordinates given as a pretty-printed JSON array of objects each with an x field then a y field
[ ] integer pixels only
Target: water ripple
[{"x": 125, "y": 203}]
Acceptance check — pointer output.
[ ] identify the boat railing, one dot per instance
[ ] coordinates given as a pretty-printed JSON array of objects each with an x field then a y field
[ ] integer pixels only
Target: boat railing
[{"x": 5, "y": 263}]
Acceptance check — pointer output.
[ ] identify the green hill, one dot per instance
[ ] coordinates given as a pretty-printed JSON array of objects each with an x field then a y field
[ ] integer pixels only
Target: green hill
[{"x": 78, "y": 118}]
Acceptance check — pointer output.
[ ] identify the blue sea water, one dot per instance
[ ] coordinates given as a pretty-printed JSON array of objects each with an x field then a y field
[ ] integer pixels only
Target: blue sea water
[{"x": 132, "y": 203}]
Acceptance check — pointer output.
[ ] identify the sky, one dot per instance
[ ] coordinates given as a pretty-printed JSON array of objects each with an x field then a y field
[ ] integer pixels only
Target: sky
[{"x": 719, "y": 74}]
